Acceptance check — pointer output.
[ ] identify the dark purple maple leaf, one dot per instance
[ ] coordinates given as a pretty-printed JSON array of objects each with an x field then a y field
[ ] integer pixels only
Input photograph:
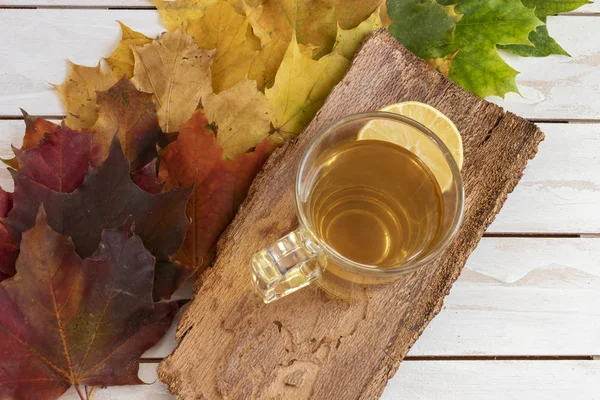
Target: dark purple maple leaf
[{"x": 105, "y": 199}]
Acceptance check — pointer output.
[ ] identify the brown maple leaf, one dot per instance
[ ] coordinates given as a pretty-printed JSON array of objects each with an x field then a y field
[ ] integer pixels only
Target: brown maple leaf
[
  {"x": 176, "y": 72},
  {"x": 67, "y": 321},
  {"x": 131, "y": 115},
  {"x": 220, "y": 185}
]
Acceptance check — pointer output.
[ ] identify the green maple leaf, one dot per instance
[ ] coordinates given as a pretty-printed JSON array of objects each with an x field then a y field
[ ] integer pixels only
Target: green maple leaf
[
  {"x": 423, "y": 27},
  {"x": 543, "y": 44},
  {"x": 483, "y": 26}
]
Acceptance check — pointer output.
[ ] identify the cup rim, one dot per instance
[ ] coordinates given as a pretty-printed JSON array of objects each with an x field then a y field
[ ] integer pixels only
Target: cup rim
[{"x": 366, "y": 269}]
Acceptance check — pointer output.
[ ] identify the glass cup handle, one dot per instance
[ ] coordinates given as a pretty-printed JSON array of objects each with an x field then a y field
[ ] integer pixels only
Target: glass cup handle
[{"x": 289, "y": 264}]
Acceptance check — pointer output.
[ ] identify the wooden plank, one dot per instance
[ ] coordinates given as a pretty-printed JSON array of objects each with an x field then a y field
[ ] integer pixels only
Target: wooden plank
[
  {"x": 495, "y": 380},
  {"x": 520, "y": 296},
  {"x": 440, "y": 380},
  {"x": 154, "y": 390},
  {"x": 37, "y": 42},
  {"x": 515, "y": 296},
  {"x": 560, "y": 87},
  {"x": 588, "y": 9},
  {"x": 78, "y": 3},
  {"x": 232, "y": 345},
  {"x": 560, "y": 190}
]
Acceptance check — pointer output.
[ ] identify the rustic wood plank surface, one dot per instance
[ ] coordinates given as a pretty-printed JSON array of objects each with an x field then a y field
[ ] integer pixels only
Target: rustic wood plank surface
[
  {"x": 255, "y": 348},
  {"x": 515, "y": 296},
  {"x": 560, "y": 87},
  {"x": 559, "y": 192},
  {"x": 503, "y": 380},
  {"x": 587, "y": 9},
  {"x": 36, "y": 45},
  {"x": 154, "y": 390},
  {"x": 555, "y": 88}
]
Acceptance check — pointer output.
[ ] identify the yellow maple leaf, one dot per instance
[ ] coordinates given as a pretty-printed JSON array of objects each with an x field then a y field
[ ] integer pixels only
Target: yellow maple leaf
[
  {"x": 177, "y": 72},
  {"x": 242, "y": 115},
  {"x": 121, "y": 60},
  {"x": 175, "y": 13},
  {"x": 301, "y": 86},
  {"x": 348, "y": 41},
  {"x": 223, "y": 29},
  {"x": 265, "y": 64},
  {"x": 351, "y": 13},
  {"x": 313, "y": 21},
  {"x": 78, "y": 94}
]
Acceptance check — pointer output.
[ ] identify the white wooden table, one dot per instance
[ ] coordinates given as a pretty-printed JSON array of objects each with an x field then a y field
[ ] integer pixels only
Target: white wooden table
[{"x": 523, "y": 320}]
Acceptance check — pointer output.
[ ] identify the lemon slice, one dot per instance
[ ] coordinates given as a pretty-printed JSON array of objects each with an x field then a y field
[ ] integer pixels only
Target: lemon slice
[{"x": 413, "y": 140}]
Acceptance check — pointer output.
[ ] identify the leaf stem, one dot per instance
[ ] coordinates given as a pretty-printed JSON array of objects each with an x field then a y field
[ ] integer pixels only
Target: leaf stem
[{"x": 81, "y": 396}]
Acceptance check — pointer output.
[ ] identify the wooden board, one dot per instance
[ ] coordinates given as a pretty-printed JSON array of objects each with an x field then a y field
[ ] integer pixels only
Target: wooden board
[
  {"x": 521, "y": 296},
  {"x": 440, "y": 380},
  {"x": 495, "y": 380},
  {"x": 35, "y": 44},
  {"x": 587, "y": 9},
  {"x": 234, "y": 346},
  {"x": 515, "y": 296},
  {"x": 154, "y": 390},
  {"x": 559, "y": 87},
  {"x": 560, "y": 190},
  {"x": 558, "y": 194}
]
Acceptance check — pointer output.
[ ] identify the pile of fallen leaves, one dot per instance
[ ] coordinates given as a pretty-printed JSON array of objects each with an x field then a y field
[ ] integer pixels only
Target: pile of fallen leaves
[{"x": 124, "y": 201}]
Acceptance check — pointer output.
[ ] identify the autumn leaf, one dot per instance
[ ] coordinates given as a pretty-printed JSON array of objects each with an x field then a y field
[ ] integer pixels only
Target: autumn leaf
[
  {"x": 543, "y": 44},
  {"x": 177, "y": 72},
  {"x": 78, "y": 94},
  {"x": 314, "y": 22},
  {"x": 351, "y": 13},
  {"x": 175, "y": 13},
  {"x": 60, "y": 160},
  {"x": 221, "y": 28},
  {"x": 242, "y": 115},
  {"x": 68, "y": 321},
  {"x": 35, "y": 129},
  {"x": 265, "y": 64},
  {"x": 147, "y": 178},
  {"x": 6, "y": 203},
  {"x": 423, "y": 27},
  {"x": 349, "y": 40},
  {"x": 105, "y": 199},
  {"x": 131, "y": 115},
  {"x": 301, "y": 86},
  {"x": 220, "y": 185},
  {"x": 121, "y": 61},
  {"x": 442, "y": 64},
  {"x": 9, "y": 249}
]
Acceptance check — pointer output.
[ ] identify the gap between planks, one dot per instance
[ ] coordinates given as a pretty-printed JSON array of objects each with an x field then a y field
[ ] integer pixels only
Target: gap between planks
[
  {"x": 575, "y": 13},
  {"x": 467, "y": 358},
  {"x": 17, "y": 117}
]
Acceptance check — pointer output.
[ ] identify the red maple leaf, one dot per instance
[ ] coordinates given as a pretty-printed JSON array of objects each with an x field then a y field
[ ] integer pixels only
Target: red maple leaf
[{"x": 68, "y": 321}]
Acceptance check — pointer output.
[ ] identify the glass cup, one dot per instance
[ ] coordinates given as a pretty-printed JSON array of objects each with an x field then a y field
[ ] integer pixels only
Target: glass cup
[{"x": 302, "y": 256}]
